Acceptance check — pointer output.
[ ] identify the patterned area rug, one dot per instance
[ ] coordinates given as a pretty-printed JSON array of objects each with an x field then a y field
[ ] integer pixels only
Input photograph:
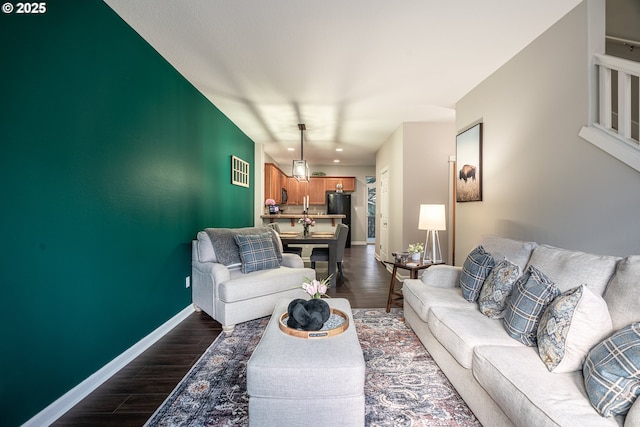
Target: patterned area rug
[{"x": 403, "y": 385}]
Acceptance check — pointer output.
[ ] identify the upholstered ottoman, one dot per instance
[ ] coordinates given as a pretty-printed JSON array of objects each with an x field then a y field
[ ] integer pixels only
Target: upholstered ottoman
[{"x": 307, "y": 382}]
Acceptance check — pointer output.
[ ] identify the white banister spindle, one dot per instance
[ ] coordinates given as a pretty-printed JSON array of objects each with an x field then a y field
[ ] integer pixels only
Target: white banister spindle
[
  {"x": 604, "y": 87},
  {"x": 627, "y": 71},
  {"x": 623, "y": 142},
  {"x": 624, "y": 104}
]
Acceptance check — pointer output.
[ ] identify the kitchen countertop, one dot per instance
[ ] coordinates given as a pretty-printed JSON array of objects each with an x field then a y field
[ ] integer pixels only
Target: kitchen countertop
[{"x": 294, "y": 217}]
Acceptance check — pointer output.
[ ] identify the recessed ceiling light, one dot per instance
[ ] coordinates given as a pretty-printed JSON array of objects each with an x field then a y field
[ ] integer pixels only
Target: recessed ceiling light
[
  {"x": 336, "y": 161},
  {"x": 289, "y": 149},
  {"x": 338, "y": 149}
]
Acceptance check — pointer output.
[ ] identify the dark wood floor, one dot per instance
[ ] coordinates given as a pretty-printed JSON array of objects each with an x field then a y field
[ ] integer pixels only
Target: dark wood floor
[{"x": 131, "y": 396}]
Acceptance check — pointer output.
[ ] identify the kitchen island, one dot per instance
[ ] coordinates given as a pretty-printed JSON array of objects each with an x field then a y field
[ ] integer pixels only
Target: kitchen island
[{"x": 286, "y": 221}]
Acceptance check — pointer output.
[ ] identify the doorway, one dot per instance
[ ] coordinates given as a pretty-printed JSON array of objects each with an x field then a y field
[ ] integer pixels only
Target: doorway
[
  {"x": 371, "y": 209},
  {"x": 384, "y": 214}
]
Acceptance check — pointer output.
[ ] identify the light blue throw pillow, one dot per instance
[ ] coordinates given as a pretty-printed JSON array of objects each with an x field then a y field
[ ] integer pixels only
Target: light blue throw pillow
[
  {"x": 531, "y": 295},
  {"x": 475, "y": 270},
  {"x": 257, "y": 252},
  {"x": 497, "y": 289},
  {"x": 612, "y": 372}
]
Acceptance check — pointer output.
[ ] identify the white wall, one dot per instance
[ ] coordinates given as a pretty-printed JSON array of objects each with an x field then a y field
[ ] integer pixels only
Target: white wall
[
  {"x": 417, "y": 155},
  {"x": 390, "y": 155},
  {"x": 427, "y": 147},
  {"x": 542, "y": 182},
  {"x": 260, "y": 158}
]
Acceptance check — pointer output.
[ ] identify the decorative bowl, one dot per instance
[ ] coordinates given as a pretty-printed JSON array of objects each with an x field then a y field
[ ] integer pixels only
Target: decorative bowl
[{"x": 322, "y": 333}]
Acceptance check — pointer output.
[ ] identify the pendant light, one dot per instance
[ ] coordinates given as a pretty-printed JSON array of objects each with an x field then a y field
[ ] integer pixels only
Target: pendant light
[{"x": 300, "y": 169}]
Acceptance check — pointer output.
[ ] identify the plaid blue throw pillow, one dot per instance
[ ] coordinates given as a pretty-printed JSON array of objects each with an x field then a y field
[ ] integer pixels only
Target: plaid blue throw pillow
[
  {"x": 257, "y": 252},
  {"x": 475, "y": 270},
  {"x": 612, "y": 372},
  {"x": 531, "y": 295}
]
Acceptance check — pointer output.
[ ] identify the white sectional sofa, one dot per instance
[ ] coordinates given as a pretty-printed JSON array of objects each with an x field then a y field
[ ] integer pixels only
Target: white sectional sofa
[
  {"x": 504, "y": 381},
  {"x": 230, "y": 295}
]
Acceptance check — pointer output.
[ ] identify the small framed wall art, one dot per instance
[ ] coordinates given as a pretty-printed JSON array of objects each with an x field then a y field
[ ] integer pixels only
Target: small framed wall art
[
  {"x": 469, "y": 164},
  {"x": 239, "y": 172}
]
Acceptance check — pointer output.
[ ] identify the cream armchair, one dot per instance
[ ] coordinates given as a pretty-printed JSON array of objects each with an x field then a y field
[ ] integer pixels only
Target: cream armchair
[{"x": 224, "y": 292}]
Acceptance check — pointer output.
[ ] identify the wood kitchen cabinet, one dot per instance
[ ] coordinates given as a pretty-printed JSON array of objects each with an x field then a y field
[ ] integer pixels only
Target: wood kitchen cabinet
[
  {"x": 297, "y": 190},
  {"x": 348, "y": 183},
  {"x": 317, "y": 190},
  {"x": 274, "y": 181}
]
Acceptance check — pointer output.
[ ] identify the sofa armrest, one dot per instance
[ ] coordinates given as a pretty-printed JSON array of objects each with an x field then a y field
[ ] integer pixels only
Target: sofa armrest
[
  {"x": 292, "y": 260},
  {"x": 218, "y": 272},
  {"x": 633, "y": 416},
  {"x": 205, "y": 278},
  {"x": 442, "y": 276}
]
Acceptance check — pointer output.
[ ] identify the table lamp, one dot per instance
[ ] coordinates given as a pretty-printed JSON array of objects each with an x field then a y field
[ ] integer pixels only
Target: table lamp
[{"x": 432, "y": 218}]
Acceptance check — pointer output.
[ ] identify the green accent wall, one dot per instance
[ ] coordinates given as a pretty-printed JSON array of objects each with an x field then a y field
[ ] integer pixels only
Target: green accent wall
[{"x": 110, "y": 163}]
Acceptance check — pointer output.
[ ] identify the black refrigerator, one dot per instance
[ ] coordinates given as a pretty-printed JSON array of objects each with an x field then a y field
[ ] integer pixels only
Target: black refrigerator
[{"x": 340, "y": 204}]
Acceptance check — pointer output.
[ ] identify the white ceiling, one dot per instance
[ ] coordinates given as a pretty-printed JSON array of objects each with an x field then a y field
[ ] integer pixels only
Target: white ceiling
[{"x": 351, "y": 70}]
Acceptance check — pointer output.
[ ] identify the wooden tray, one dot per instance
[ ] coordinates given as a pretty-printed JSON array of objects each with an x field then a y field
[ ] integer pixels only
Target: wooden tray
[{"x": 315, "y": 334}]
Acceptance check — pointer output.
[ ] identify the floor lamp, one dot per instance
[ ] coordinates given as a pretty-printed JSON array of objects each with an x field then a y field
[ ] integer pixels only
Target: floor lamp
[{"x": 432, "y": 218}]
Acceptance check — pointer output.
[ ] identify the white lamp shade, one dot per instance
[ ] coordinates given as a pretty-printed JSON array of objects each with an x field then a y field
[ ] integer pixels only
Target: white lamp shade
[{"x": 432, "y": 217}]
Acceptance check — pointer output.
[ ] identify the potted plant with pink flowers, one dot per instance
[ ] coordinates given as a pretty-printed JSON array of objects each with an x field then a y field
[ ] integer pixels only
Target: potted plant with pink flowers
[
  {"x": 272, "y": 206},
  {"x": 306, "y": 223},
  {"x": 317, "y": 288}
]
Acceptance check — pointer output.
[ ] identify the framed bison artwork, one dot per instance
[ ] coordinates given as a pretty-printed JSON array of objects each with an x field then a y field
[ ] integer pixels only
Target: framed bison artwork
[{"x": 469, "y": 165}]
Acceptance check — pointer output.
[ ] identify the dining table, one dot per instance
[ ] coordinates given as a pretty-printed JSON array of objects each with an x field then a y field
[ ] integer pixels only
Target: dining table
[{"x": 316, "y": 238}]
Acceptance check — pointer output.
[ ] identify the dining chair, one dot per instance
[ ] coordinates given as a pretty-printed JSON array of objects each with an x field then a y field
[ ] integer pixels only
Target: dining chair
[
  {"x": 322, "y": 254},
  {"x": 286, "y": 248}
]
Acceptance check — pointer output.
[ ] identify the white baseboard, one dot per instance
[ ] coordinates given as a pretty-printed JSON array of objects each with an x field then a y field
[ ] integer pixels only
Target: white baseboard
[{"x": 71, "y": 398}]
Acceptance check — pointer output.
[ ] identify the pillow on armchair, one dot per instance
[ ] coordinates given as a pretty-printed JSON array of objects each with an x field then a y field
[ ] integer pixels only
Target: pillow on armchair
[
  {"x": 257, "y": 252},
  {"x": 225, "y": 248}
]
